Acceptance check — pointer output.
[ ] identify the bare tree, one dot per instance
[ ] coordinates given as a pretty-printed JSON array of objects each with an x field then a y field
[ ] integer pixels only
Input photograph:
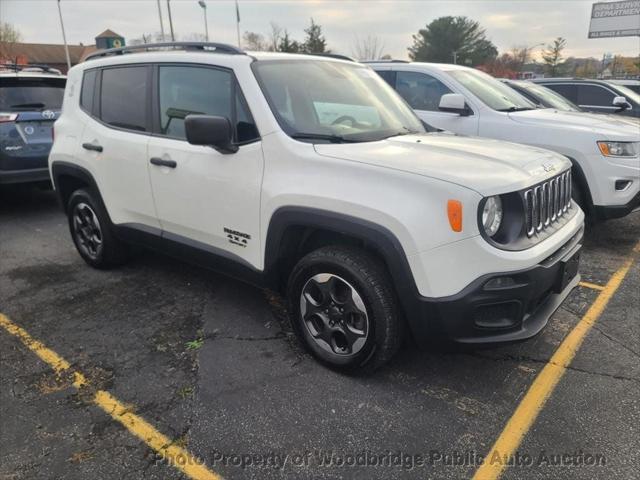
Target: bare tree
[
  {"x": 368, "y": 48},
  {"x": 146, "y": 38},
  {"x": 521, "y": 55},
  {"x": 275, "y": 35},
  {"x": 9, "y": 36},
  {"x": 552, "y": 56},
  {"x": 254, "y": 41}
]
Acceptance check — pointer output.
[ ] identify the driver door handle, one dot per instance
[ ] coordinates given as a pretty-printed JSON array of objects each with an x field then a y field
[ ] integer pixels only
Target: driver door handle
[{"x": 163, "y": 163}]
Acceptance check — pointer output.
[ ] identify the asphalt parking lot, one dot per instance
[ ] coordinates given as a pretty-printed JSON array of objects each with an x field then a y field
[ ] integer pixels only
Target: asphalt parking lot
[{"x": 211, "y": 364}]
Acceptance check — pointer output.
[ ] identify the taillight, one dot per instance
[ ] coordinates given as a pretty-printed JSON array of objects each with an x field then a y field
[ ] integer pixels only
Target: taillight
[{"x": 8, "y": 117}]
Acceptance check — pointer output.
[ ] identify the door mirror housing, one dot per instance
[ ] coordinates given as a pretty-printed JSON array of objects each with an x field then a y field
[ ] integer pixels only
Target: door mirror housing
[
  {"x": 621, "y": 103},
  {"x": 454, "y": 103},
  {"x": 211, "y": 131}
]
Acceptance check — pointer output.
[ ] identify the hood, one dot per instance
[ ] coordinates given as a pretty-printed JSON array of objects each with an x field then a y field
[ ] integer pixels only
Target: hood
[
  {"x": 610, "y": 127},
  {"x": 487, "y": 166}
]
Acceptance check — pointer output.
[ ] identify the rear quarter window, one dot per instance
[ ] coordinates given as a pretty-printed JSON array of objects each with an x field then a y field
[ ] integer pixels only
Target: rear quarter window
[{"x": 88, "y": 91}]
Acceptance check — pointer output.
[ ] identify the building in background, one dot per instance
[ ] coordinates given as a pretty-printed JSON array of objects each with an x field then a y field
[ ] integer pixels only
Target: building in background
[{"x": 53, "y": 55}]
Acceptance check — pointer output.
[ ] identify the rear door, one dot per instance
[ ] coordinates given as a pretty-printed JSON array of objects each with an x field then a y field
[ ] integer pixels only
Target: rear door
[
  {"x": 115, "y": 141},
  {"x": 205, "y": 198},
  {"x": 28, "y": 108}
]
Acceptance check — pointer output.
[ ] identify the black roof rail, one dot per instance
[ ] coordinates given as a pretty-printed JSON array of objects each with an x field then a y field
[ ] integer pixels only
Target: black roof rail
[
  {"x": 333, "y": 55},
  {"x": 17, "y": 67},
  {"x": 393, "y": 60},
  {"x": 201, "y": 46}
]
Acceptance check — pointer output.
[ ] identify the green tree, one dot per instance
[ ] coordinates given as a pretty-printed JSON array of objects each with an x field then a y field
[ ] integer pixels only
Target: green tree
[
  {"x": 452, "y": 40},
  {"x": 552, "y": 56},
  {"x": 287, "y": 44},
  {"x": 315, "y": 41}
]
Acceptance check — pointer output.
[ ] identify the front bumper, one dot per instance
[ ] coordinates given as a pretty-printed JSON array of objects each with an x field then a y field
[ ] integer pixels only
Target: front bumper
[
  {"x": 505, "y": 313},
  {"x": 617, "y": 211},
  {"x": 30, "y": 175}
]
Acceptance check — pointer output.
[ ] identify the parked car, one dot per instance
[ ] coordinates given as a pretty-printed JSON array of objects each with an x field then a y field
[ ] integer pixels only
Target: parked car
[
  {"x": 604, "y": 150},
  {"x": 312, "y": 177},
  {"x": 597, "y": 96},
  {"x": 542, "y": 96},
  {"x": 630, "y": 84},
  {"x": 30, "y": 101}
]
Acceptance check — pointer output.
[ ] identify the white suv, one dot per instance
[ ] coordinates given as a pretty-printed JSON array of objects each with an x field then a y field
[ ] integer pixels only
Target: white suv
[
  {"x": 604, "y": 150},
  {"x": 311, "y": 176}
]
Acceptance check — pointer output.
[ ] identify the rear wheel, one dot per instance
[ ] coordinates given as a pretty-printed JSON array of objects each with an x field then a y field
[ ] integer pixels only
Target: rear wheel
[
  {"x": 343, "y": 308},
  {"x": 91, "y": 232}
]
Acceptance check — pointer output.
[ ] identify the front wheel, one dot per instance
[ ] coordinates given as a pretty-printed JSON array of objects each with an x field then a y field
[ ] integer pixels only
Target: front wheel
[{"x": 344, "y": 309}]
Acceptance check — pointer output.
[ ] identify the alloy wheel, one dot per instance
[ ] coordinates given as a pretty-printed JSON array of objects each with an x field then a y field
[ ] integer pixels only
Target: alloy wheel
[{"x": 334, "y": 314}]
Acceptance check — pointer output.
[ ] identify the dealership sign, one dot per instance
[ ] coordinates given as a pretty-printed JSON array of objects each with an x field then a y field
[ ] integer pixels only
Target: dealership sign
[{"x": 615, "y": 19}]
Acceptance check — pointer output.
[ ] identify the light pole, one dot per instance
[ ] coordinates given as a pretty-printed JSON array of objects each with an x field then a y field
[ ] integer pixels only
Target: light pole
[
  {"x": 204, "y": 9},
  {"x": 64, "y": 37},
  {"x": 173, "y": 37},
  {"x": 161, "y": 23}
]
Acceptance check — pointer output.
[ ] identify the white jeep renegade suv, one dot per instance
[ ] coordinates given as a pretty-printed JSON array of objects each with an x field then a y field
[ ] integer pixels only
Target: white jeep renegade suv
[{"x": 311, "y": 176}]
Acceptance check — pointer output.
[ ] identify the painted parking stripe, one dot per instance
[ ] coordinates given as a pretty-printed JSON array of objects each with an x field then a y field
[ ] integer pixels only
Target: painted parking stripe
[
  {"x": 174, "y": 455},
  {"x": 592, "y": 286},
  {"x": 546, "y": 381}
]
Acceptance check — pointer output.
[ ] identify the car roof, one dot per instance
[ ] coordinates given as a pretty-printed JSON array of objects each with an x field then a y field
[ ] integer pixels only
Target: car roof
[{"x": 434, "y": 66}]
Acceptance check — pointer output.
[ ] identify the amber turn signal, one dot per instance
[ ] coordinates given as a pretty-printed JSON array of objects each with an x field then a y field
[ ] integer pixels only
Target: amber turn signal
[{"x": 454, "y": 211}]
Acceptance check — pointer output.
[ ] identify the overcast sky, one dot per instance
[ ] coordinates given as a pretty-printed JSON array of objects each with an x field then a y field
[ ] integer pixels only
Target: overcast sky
[{"x": 508, "y": 22}]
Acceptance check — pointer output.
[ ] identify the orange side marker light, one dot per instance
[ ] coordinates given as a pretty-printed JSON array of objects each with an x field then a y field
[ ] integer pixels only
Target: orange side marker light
[{"x": 454, "y": 211}]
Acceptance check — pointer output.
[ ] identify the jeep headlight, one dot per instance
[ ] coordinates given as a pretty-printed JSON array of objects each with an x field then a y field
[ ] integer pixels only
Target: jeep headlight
[
  {"x": 619, "y": 149},
  {"x": 492, "y": 215}
]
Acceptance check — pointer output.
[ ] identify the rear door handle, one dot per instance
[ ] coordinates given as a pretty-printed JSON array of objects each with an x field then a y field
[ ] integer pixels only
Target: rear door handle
[
  {"x": 163, "y": 163},
  {"x": 92, "y": 146}
]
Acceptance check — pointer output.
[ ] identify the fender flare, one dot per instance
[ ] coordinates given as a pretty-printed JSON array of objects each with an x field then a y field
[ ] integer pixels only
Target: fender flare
[
  {"x": 381, "y": 239},
  {"x": 61, "y": 168}
]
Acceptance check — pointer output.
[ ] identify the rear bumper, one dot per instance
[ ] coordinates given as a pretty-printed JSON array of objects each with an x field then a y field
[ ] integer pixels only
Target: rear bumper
[
  {"x": 31, "y": 175},
  {"x": 484, "y": 314},
  {"x": 616, "y": 211}
]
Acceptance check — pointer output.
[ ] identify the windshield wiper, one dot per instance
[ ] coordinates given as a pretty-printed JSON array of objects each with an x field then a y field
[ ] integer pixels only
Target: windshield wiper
[
  {"x": 515, "y": 109},
  {"x": 321, "y": 136},
  {"x": 29, "y": 105}
]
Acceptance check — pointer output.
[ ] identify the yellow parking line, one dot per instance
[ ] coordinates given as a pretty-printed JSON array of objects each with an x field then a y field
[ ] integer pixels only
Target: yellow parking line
[
  {"x": 592, "y": 286},
  {"x": 178, "y": 457},
  {"x": 546, "y": 381}
]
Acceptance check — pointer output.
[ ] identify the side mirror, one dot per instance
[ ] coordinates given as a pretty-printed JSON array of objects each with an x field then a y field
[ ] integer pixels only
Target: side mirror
[
  {"x": 454, "y": 103},
  {"x": 211, "y": 131},
  {"x": 621, "y": 103}
]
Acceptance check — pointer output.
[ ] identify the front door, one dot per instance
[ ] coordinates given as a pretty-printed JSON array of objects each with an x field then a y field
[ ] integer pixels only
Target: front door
[
  {"x": 205, "y": 197},
  {"x": 423, "y": 92}
]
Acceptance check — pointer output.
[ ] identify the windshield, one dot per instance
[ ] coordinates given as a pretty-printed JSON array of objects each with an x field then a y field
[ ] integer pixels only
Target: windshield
[
  {"x": 628, "y": 93},
  {"x": 492, "y": 92},
  {"x": 548, "y": 97},
  {"x": 328, "y": 101},
  {"x": 19, "y": 94}
]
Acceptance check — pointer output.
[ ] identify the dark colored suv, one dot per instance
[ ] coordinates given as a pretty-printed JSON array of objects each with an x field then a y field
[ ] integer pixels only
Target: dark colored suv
[
  {"x": 596, "y": 96},
  {"x": 30, "y": 101}
]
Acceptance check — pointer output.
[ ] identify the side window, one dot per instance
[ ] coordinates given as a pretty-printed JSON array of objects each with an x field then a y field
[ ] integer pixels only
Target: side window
[
  {"x": 88, "y": 87},
  {"x": 595, "y": 96},
  {"x": 388, "y": 76},
  {"x": 421, "y": 91},
  {"x": 123, "y": 98},
  {"x": 195, "y": 90},
  {"x": 569, "y": 92}
]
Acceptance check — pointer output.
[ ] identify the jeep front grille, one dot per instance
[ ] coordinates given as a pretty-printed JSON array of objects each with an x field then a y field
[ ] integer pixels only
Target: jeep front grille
[{"x": 546, "y": 203}]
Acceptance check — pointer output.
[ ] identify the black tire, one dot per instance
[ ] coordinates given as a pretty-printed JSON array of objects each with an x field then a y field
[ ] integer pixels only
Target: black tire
[
  {"x": 364, "y": 274},
  {"x": 577, "y": 195},
  {"x": 109, "y": 251}
]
